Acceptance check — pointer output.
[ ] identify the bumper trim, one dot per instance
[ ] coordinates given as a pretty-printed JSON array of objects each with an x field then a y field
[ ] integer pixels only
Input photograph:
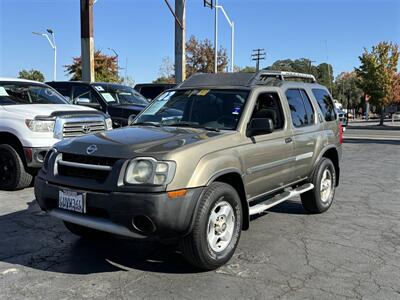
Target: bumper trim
[{"x": 94, "y": 223}]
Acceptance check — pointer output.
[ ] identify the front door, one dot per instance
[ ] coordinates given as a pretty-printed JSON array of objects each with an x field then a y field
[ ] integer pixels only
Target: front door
[{"x": 268, "y": 158}]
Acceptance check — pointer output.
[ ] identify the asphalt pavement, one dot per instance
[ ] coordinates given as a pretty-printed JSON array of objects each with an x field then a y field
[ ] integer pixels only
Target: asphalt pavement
[{"x": 351, "y": 251}]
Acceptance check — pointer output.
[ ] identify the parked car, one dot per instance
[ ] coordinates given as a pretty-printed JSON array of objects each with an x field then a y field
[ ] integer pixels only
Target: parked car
[
  {"x": 121, "y": 102},
  {"x": 152, "y": 90},
  {"x": 198, "y": 162},
  {"x": 342, "y": 118},
  {"x": 33, "y": 117}
]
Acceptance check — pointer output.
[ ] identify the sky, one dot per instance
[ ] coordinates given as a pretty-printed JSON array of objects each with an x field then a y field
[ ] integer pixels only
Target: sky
[{"x": 142, "y": 31}]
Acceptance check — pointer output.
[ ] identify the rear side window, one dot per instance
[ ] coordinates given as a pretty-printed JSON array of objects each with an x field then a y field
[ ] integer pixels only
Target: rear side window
[
  {"x": 300, "y": 108},
  {"x": 325, "y": 103}
]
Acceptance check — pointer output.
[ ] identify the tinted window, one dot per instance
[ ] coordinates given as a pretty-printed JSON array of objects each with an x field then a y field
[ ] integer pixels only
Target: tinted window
[
  {"x": 196, "y": 108},
  {"x": 268, "y": 105},
  {"x": 151, "y": 92},
  {"x": 120, "y": 94},
  {"x": 83, "y": 95},
  {"x": 308, "y": 107},
  {"x": 28, "y": 93},
  {"x": 297, "y": 109},
  {"x": 325, "y": 103}
]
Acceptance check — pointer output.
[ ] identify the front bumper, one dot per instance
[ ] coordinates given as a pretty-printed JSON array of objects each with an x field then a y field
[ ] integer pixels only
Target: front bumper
[{"x": 120, "y": 212}]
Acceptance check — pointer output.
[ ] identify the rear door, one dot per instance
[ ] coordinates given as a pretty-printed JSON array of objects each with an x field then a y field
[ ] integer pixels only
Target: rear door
[{"x": 306, "y": 129}]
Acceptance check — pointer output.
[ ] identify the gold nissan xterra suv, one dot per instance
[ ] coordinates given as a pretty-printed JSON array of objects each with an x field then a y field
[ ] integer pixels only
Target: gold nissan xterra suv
[{"x": 198, "y": 162}]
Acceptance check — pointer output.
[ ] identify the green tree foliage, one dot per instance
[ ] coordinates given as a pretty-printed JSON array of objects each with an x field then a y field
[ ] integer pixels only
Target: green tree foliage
[
  {"x": 246, "y": 69},
  {"x": 347, "y": 90},
  {"x": 199, "y": 59},
  {"x": 322, "y": 72},
  {"x": 105, "y": 68},
  {"x": 31, "y": 75},
  {"x": 377, "y": 73}
]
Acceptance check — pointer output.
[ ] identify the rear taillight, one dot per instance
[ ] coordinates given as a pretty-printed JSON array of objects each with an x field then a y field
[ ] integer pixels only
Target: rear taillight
[{"x": 340, "y": 133}]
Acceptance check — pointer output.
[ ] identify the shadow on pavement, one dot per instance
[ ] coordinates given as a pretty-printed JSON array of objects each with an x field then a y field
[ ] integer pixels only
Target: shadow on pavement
[
  {"x": 349, "y": 140},
  {"x": 31, "y": 238}
]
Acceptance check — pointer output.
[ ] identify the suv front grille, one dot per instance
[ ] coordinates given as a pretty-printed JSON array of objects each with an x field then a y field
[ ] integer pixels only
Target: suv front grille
[
  {"x": 73, "y": 129},
  {"x": 82, "y": 166}
]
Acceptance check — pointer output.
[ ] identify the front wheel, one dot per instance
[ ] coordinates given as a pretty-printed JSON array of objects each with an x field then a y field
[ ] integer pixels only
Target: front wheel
[
  {"x": 321, "y": 197},
  {"x": 217, "y": 228},
  {"x": 13, "y": 175}
]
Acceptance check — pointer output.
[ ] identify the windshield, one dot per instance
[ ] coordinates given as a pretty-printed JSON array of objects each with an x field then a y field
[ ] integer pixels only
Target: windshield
[
  {"x": 216, "y": 109},
  {"x": 28, "y": 93},
  {"x": 119, "y": 94}
]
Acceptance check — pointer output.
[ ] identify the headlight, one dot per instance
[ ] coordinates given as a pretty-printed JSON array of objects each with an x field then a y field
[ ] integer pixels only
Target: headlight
[
  {"x": 147, "y": 170},
  {"x": 40, "y": 125},
  {"x": 108, "y": 124}
]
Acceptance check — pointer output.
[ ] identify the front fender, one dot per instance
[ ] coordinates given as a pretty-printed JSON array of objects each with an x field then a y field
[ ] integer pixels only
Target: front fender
[{"x": 214, "y": 165}]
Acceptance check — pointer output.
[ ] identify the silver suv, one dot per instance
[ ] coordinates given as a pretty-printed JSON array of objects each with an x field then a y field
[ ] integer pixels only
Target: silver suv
[{"x": 199, "y": 161}]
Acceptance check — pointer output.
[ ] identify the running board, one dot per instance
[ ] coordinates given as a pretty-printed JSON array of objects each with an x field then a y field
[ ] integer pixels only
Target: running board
[{"x": 259, "y": 208}]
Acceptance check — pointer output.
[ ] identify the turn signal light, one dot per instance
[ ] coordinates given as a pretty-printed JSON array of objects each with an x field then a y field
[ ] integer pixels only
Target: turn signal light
[{"x": 177, "y": 193}]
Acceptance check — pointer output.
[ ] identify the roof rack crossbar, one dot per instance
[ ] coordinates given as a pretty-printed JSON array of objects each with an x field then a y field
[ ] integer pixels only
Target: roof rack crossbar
[{"x": 263, "y": 75}]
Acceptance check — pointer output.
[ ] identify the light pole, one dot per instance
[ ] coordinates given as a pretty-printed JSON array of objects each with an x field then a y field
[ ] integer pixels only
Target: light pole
[
  {"x": 208, "y": 3},
  {"x": 116, "y": 57},
  {"x": 52, "y": 43}
]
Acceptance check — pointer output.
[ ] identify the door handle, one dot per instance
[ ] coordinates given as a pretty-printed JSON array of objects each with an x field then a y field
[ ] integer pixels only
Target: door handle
[{"x": 288, "y": 140}]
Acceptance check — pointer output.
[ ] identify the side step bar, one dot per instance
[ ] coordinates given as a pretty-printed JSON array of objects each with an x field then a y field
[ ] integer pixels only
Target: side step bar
[
  {"x": 259, "y": 208},
  {"x": 94, "y": 223}
]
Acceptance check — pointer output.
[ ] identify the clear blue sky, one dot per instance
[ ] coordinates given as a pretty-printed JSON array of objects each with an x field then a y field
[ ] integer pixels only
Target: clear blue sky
[{"x": 143, "y": 31}]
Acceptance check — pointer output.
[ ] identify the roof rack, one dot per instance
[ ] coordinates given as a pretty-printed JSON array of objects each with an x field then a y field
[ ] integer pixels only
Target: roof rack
[{"x": 264, "y": 75}]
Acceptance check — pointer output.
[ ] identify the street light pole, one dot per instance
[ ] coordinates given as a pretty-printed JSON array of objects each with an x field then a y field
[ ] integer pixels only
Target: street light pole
[
  {"x": 52, "y": 43},
  {"x": 216, "y": 38}
]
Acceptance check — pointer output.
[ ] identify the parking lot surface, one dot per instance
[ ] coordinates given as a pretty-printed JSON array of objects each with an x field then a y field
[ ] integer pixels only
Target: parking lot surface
[{"x": 351, "y": 251}]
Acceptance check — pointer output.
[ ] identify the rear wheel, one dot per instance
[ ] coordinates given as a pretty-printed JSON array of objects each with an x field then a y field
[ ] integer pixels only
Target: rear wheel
[
  {"x": 217, "y": 228},
  {"x": 321, "y": 197},
  {"x": 13, "y": 175}
]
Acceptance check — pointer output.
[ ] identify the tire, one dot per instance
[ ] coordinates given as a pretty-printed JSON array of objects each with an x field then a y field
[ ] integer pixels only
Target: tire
[
  {"x": 319, "y": 200},
  {"x": 85, "y": 232},
  {"x": 220, "y": 202},
  {"x": 13, "y": 175}
]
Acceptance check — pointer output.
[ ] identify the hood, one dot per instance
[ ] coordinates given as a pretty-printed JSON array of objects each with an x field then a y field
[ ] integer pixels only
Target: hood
[
  {"x": 130, "y": 142},
  {"x": 33, "y": 110}
]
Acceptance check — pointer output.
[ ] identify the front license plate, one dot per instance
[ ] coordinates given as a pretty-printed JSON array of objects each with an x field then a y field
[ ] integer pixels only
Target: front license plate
[{"x": 73, "y": 201}]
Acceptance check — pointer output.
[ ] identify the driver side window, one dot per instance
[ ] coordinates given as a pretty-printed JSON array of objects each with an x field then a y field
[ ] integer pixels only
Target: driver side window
[
  {"x": 83, "y": 95},
  {"x": 268, "y": 105}
]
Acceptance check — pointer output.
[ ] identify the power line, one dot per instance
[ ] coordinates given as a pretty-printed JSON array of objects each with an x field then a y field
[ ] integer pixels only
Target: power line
[{"x": 258, "y": 54}]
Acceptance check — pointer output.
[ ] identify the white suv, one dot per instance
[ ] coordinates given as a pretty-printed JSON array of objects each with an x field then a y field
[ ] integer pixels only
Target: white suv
[{"x": 33, "y": 117}]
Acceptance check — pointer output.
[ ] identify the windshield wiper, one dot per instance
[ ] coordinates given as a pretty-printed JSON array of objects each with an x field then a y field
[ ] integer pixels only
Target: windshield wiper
[
  {"x": 146, "y": 124},
  {"x": 193, "y": 125}
]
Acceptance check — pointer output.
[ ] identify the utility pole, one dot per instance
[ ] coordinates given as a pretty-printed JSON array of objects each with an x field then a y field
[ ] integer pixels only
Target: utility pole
[
  {"x": 87, "y": 51},
  {"x": 216, "y": 38},
  {"x": 180, "y": 39},
  {"x": 258, "y": 54},
  {"x": 311, "y": 61}
]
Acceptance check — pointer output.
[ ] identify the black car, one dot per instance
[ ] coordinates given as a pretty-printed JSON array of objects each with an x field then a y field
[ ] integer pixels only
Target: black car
[
  {"x": 121, "y": 102},
  {"x": 152, "y": 90}
]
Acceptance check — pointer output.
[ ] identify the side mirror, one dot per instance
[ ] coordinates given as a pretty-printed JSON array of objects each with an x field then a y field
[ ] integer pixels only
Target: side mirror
[
  {"x": 83, "y": 101},
  {"x": 258, "y": 126}
]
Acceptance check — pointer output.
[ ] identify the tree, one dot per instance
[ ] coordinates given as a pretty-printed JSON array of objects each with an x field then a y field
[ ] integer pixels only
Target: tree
[
  {"x": 323, "y": 73},
  {"x": 105, "y": 68},
  {"x": 396, "y": 88},
  {"x": 166, "y": 73},
  {"x": 199, "y": 59},
  {"x": 377, "y": 73},
  {"x": 246, "y": 69},
  {"x": 31, "y": 75},
  {"x": 346, "y": 89}
]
